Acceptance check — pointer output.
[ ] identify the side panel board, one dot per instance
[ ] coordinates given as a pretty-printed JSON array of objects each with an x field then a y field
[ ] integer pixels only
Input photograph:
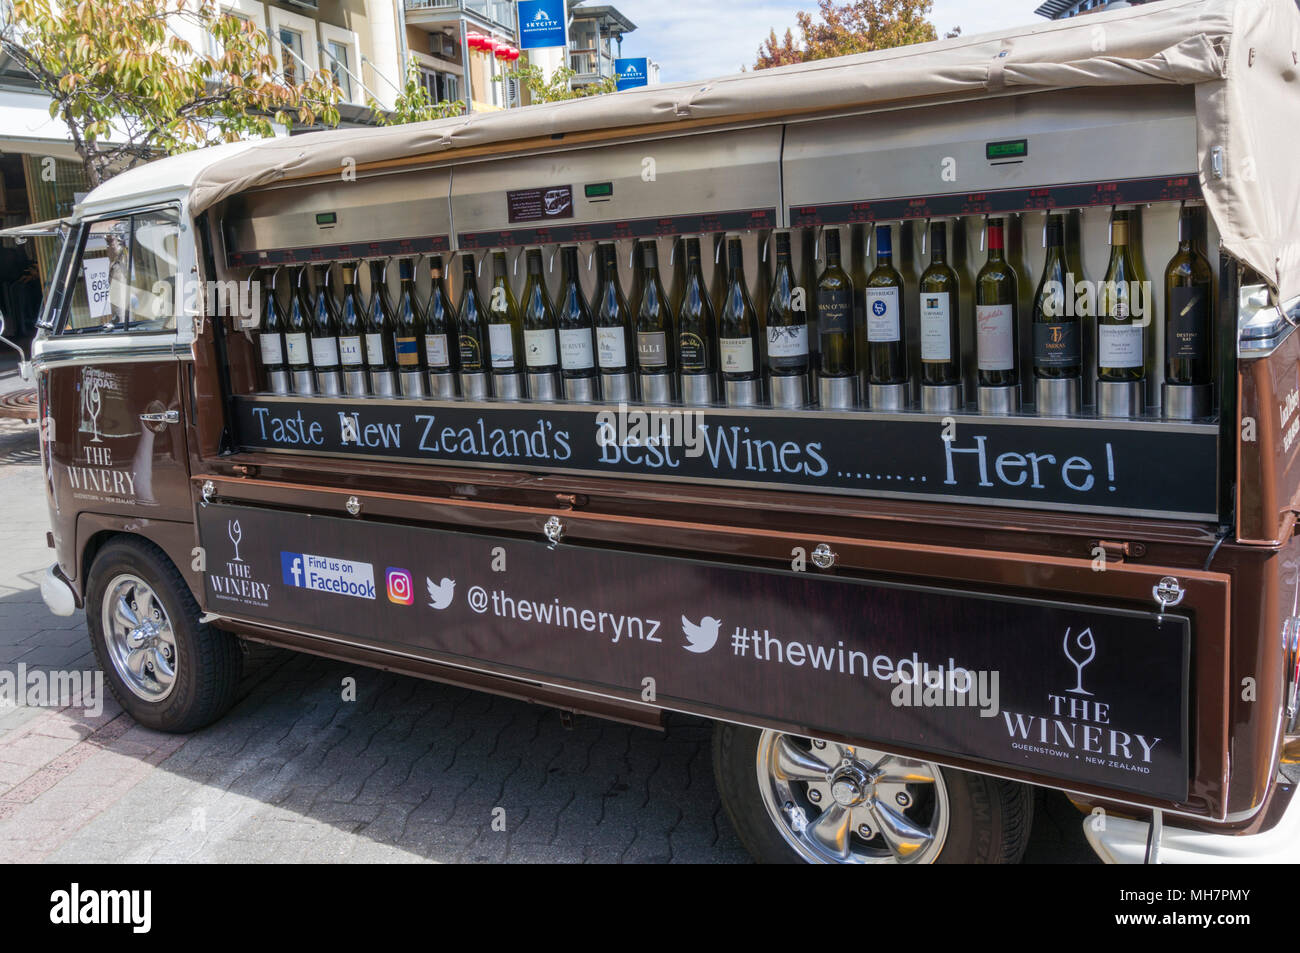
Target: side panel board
[{"x": 1091, "y": 695}]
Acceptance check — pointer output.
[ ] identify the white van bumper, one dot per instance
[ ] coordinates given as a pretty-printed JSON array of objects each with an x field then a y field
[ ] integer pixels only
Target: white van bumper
[
  {"x": 1125, "y": 842},
  {"x": 57, "y": 594}
]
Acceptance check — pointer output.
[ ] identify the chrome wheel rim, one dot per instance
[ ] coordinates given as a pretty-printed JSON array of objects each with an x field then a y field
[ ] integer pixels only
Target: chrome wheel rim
[
  {"x": 140, "y": 639},
  {"x": 839, "y": 804}
]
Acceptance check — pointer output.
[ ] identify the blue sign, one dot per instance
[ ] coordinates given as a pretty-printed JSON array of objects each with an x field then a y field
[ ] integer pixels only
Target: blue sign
[
  {"x": 632, "y": 72},
  {"x": 541, "y": 23}
]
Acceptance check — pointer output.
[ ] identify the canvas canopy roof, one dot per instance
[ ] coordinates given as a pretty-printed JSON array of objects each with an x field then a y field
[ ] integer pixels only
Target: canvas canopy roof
[{"x": 1241, "y": 55}]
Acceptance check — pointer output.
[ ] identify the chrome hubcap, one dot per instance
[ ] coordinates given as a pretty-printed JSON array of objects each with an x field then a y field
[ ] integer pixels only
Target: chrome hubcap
[
  {"x": 840, "y": 804},
  {"x": 141, "y": 643}
]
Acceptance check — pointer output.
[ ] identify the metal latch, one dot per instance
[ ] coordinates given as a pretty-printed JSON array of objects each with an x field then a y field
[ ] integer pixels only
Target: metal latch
[
  {"x": 554, "y": 530},
  {"x": 1168, "y": 592},
  {"x": 1119, "y": 551},
  {"x": 823, "y": 557}
]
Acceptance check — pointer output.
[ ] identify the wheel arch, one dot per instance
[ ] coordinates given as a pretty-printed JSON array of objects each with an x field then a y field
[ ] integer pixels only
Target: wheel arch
[{"x": 175, "y": 540}]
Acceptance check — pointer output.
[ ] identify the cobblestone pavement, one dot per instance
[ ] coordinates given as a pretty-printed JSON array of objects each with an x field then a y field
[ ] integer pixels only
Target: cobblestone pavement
[{"x": 411, "y": 771}]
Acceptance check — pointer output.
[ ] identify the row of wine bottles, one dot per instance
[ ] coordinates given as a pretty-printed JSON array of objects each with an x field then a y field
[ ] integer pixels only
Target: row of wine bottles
[{"x": 422, "y": 347}]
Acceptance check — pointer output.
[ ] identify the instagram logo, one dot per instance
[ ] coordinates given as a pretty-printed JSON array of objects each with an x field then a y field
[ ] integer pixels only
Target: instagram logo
[{"x": 401, "y": 589}]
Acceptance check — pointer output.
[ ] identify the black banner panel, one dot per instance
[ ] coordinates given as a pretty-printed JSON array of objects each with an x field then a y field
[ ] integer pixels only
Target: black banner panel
[
  {"x": 1136, "y": 468},
  {"x": 1076, "y": 693}
]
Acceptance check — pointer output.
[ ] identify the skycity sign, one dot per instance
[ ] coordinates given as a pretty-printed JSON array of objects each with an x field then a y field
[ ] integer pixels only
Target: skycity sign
[
  {"x": 541, "y": 24},
  {"x": 632, "y": 72}
]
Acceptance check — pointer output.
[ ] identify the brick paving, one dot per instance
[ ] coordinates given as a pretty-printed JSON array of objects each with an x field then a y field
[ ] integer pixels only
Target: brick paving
[{"x": 410, "y": 771}]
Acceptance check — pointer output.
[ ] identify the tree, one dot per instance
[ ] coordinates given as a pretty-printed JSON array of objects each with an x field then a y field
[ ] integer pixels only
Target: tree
[
  {"x": 555, "y": 88},
  {"x": 414, "y": 105},
  {"x": 859, "y": 26},
  {"x": 130, "y": 88}
]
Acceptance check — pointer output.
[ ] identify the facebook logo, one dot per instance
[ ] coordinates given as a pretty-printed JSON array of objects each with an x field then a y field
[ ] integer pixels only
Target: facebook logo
[{"x": 291, "y": 569}]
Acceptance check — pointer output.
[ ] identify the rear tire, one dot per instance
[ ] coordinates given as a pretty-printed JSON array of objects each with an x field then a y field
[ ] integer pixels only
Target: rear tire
[
  {"x": 167, "y": 669},
  {"x": 791, "y": 801}
]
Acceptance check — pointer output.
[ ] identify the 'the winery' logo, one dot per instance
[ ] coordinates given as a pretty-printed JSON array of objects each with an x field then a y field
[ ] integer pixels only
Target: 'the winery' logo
[
  {"x": 1078, "y": 728},
  {"x": 238, "y": 583}
]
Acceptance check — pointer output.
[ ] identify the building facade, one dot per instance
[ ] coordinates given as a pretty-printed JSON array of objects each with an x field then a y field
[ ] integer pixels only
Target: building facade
[{"x": 1063, "y": 9}]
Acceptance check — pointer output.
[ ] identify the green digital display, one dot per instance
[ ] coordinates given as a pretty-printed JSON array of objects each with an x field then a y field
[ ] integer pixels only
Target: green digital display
[
  {"x": 327, "y": 218},
  {"x": 1011, "y": 149},
  {"x": 599, "y": 190}
]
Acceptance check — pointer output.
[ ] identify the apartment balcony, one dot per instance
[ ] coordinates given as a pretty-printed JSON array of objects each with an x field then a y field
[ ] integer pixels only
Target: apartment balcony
[
  {"x": 488, "y": 14},
  {"x": 590, "y": 66}
]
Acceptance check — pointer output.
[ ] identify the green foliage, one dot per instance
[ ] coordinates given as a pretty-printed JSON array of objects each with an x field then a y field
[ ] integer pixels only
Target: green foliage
[
  {"x": 859, "y": 26},
  {"x": 130, "y": 88},
  {"x": 544, "y": 89},
  {"x": 414, "y": 105}
]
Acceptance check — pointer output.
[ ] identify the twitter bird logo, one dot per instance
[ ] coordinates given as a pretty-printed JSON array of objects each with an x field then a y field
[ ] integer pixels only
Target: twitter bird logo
[
  {"x": 702, "y": 637},
  {"x": 440, "y": 596}
]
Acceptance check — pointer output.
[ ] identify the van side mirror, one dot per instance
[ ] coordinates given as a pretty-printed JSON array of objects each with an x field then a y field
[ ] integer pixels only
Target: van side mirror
[{"x": 24, "y": 365}]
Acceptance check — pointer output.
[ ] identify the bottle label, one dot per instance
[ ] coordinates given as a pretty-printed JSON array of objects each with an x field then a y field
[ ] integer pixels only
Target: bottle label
[
  {"x": 1057, "y": 344},
  {"x": 471, "y": 357},
  {"x": 408, "y": 352},
  {"x": 936, "y": 327},
  {"x": 272, "y": 349},
  {"x": 501, "y": 340},
  {"x": 296, "y": 346},
  {"x": 694, "y": 354},
  {"x": 575, "y": 349},
  {"x": 350, "y": 351},
  {"x": 834, "y": 312},
  {"x": 325, "y": 352},
  {"x": 737, "y": 355},
  {"x": 652, "y": 348},
  {"x": 787, "y": 346},
  {"x": 374, "y": 349},
  {"x": 612, "y": 348},
  {"x": 1119, "y": 345},
  {"x": 1185, "y": 333},
  {"x": 539, "y": 348},
  {"x": 994, "y": 337},
  {"x": 435, "y": 351},
  {"x": 882, "y": 315}
]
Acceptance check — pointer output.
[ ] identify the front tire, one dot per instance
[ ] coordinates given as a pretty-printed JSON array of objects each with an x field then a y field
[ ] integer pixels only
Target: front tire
[
  {"x": 169, "y": 671},
  {"x": 793, "y": 800}
]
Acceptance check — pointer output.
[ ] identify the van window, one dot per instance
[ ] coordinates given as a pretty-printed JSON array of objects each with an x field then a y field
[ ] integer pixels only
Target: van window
[{"x": 126, "y": 277}]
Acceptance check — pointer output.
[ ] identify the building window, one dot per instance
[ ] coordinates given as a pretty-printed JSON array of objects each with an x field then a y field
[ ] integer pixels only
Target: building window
[
  {"x": 339, "y": 66},
  {"x": 290, "y": 54}
]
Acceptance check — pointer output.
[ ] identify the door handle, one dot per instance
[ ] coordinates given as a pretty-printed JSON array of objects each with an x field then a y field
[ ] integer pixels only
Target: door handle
[{"x": 167, "y": 417}]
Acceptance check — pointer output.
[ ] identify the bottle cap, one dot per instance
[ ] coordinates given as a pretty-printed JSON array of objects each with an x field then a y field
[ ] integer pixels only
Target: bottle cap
[{"x": 884, "y": 241}]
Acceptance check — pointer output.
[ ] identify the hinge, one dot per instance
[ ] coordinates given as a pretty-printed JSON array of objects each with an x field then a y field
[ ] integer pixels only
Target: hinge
[
  {"x": 1118, "y": 552},
  {"x": 570, "y": 501}
]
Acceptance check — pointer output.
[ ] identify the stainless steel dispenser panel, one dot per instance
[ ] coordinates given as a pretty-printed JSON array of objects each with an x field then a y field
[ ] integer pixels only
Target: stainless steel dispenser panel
[
  {"x": 402, "y": 213},
  {"x": 708, "y": 182},
  {"x": 1012, "y": 154}
]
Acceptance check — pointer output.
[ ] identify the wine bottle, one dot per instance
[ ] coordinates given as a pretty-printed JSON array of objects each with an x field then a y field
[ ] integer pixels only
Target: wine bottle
[
  {"x": 615, "y": 335},
  {"x": 324, "y": 335},
  {"x": 381, "y": 355},
  {"x": 471, "y": 336},
  {"x": 787, "y": 333},
  {"x": 577, "y": 326},
  {"x": 940, "y": 339},
  {"x": 408, "y": 339},
  {"x": 656, "y": 359},
  {"x": 351, "y": 320},
  {"x": 505, "y": 332},
  {"x": 739, "y": 349},
  {"x": 995, "y": 314},
  {"x": 439, "y": 334},
  {"x": 835, "y": 326},
  {"x": 297, "y": 347},
  {"x": 696, "y": 331},
  {"x": 1056, "y": 332},
  {"x": 1189, "y": 342},
  {"x": 541, "y": 349},
  {"x": 883, "y": 301},
  {"x": 1121, "y": 335},
  {"x": 270, "y": 339},
  {"x": 856, "y": 266}
]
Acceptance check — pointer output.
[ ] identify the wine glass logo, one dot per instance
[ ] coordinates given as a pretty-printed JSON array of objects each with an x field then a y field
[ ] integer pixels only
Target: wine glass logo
[
  {"x": 235, "y": 534},
  {"x": 93, "y": 405},
  {"x": 1087, "y": 648}
]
